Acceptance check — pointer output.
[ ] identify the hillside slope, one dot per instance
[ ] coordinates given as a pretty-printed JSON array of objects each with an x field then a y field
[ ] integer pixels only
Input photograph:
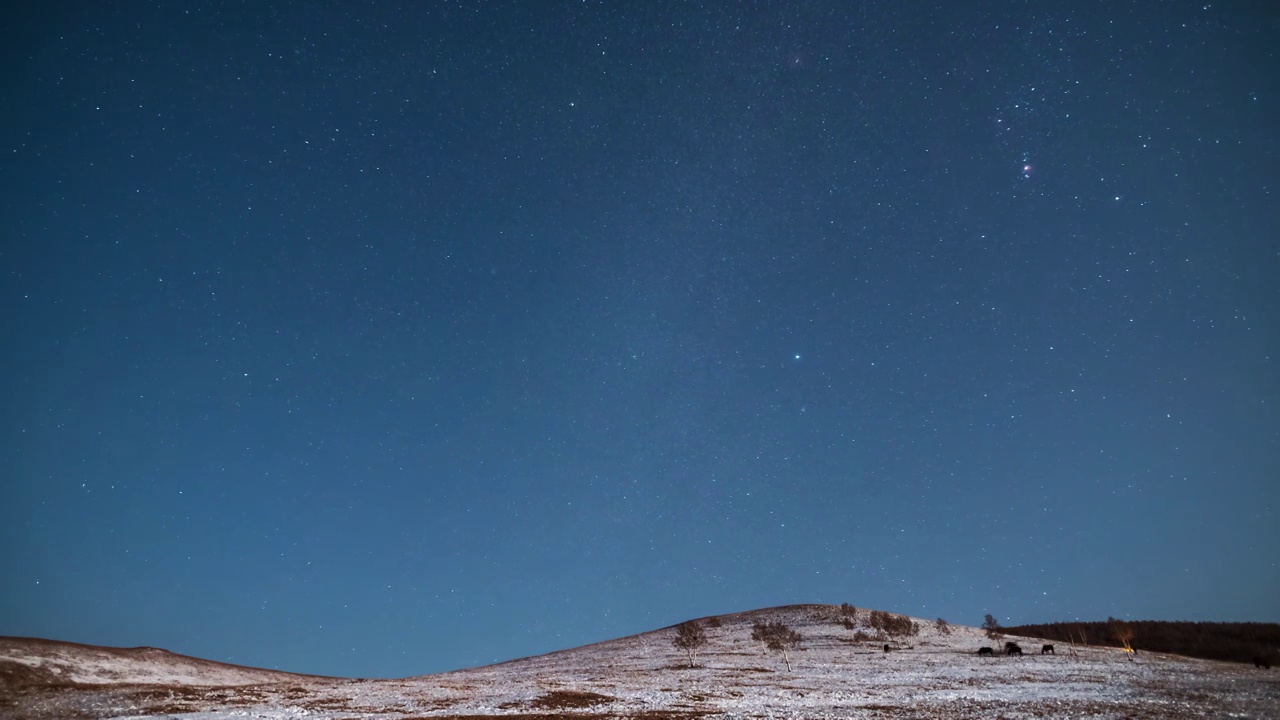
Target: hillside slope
[
  {"x": 35, "y": 661},
  {"x": 839, "y": 672}
]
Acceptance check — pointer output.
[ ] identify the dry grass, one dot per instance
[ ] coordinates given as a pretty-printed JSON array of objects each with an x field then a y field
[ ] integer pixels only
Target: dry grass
[{"x": 569, "y": 699}]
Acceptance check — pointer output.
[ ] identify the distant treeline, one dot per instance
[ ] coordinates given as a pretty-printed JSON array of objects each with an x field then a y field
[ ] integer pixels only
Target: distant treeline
[{"x": 1235, "y": 642}]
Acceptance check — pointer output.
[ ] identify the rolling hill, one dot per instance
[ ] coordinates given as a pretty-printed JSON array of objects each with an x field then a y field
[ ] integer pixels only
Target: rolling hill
[{"x": 841, "y": 670}]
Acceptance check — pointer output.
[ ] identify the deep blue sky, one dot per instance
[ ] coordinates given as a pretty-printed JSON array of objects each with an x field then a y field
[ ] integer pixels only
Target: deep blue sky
[{"x": 373, "y": 339}]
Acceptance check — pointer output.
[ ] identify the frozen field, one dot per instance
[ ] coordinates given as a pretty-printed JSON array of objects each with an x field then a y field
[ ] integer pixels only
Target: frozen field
[{"x": 931, "y": 675}]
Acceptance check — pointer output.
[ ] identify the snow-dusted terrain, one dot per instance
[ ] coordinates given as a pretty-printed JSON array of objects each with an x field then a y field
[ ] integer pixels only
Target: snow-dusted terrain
[
  {"x": 48, "y": 662},
  {"x": 930, "y": 675}
]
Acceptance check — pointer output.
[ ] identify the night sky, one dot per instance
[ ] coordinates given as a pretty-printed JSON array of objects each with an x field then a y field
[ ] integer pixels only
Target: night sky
[{"x": 370, "y": 339}]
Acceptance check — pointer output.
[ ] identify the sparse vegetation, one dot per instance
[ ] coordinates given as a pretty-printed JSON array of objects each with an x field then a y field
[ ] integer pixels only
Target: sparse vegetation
[
  {"x": 943, "y": 626},
  {"x": 569, "y": 699},
  {"x": 777, "y": 637},
  {"x": 626, "y": 679},
  {"x": 847, "y": 616},
  {"x": 714, "y": 622},
  {"x": 894, "y": 626},
  {"x": 689, "y": 637},
  {"x": 992, "y": 626}
]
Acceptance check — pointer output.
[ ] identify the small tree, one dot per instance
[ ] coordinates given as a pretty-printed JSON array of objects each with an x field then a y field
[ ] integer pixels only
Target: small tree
[
  {"x": 758, "y": 632},
  {"x": 943, "y": 626},
  {"x": 777, "y": 637},
  {"x": 1076, "y": 634},
  {"x": 1121, "y": 631},
  {"x": 992, "y": 626},
  {"x": 689, "y": 637}
]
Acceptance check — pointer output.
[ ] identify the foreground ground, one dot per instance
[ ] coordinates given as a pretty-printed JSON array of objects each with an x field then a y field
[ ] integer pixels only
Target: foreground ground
[{"x": 931, "y": 675}]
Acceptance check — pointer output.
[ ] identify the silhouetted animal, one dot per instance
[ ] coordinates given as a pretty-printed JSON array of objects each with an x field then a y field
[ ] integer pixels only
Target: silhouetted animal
[
  {"x": 886, "y": 648},
  {"x": 1047, "y": 650},
  {"x": 1011, "y": 648},
  {"x": 986, "y": 651},
  {"x": 1261, "y": 663}
]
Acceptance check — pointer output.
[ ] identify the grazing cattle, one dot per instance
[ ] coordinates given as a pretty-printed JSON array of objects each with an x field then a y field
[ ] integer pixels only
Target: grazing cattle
[
  {"x": 1011, "y": 648},
  {"x": 986, "y": 651},
  {"x": 1261, "y": 663},
  {"x": 1047, "y": 650}
]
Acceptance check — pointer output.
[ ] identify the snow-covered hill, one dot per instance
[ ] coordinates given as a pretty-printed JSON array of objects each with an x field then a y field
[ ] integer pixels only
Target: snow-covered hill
[
  {"x": 933, "y": 674},
  {"x": 47, "y": 662}
]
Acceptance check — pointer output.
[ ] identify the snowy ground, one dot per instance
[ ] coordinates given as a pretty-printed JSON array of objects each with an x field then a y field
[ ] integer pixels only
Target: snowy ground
[{"x": 931, "y": 675}]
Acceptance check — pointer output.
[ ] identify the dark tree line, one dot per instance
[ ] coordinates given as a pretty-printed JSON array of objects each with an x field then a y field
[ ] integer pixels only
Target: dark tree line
[{"x": 1235, "y": 642}]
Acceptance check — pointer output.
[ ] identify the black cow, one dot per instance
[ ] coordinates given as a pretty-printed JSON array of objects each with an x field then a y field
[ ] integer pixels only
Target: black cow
[
  {"x": 986, "y": 651},
  {"x": 1012, "y": 648},
  {"x": 1262, "y": 663},
  {"x": 1047, "y": 650}
]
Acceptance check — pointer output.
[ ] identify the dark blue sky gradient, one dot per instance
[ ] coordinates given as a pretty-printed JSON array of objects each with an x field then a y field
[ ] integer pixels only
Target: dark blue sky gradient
[{"x": 374, "y": 339}]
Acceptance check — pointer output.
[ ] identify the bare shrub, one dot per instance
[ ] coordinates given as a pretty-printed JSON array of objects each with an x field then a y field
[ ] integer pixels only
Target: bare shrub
[
  {"x": 893, "y": 625},
  {"x": 943, "y": 626}
]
